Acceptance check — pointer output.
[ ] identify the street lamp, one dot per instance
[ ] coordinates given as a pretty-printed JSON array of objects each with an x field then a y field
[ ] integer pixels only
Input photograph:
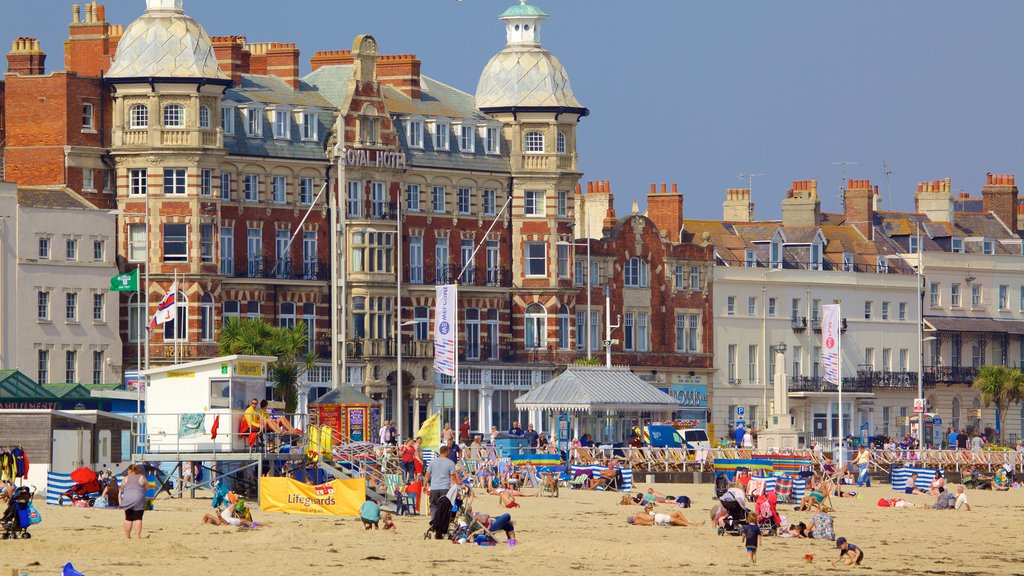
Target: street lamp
[
  {"x": 589, "y": 319},
  {"x": 398, "y": 373}
]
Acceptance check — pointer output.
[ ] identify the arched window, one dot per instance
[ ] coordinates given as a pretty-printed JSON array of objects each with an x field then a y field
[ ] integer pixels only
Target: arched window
[
  {"x": 536, "y": 326},
  {"x": 204, "y": 117},
  {"x": 138, "y": 116},
  {"x": 561, "y": 142},
  {"x": 177, "y": 327},
  {"x": 636, "y": 273},
  {"x": 955, "y": 412},
  {"x": 174, "y": 116},
  {"x": 974, "y": 421},
  {"x": 368, "y": 125},
  {"x": 563, "y": 328},
  {"x": 533, "y": 142},
  {"x": 206, "y": 315}
]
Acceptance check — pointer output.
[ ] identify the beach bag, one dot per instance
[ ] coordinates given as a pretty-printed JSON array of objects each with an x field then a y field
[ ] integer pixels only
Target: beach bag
[
  {"x": 34, "y": 517},
  {"x": 882, "y": 502}
]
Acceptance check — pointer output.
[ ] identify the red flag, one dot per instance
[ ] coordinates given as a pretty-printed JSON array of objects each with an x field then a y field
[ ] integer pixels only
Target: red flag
[{"x": 213, "y": 429}]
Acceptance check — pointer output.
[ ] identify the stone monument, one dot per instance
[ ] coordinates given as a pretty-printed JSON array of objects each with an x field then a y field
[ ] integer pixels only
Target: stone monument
[{"x": 781, "y": 432}]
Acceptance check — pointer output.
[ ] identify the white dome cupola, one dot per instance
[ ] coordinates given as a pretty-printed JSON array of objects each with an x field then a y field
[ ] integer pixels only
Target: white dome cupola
[{"x": 522, "y": 24}]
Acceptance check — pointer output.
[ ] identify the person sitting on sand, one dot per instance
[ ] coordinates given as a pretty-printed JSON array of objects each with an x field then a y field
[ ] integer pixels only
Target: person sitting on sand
[
  {"x": 848, "y": 552},
  {"x": 981, "y": 481},
  {"x": 911, "y": 486},
  {"x": 961, "y": 500},
  {"x": 822, "y": 527},
  {"x": 110, "y": 490},
  {"x": 389, "y": 522},
  {"x": 1000, "y": 481},
  {"x": 647, "y": 517},
  {"x": 798, "y": 530},
  {"x": 938, "y": 484},
  {"x": 945, "y": 501},
  {"x": 369, "y": 513}
]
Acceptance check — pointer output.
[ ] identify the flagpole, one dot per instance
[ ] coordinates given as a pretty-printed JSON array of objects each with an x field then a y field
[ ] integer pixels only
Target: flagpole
[
  {"x": 138, "y": 346},
  {"x": 146, "y": 287},
  {"x": 839, "y": 378}
]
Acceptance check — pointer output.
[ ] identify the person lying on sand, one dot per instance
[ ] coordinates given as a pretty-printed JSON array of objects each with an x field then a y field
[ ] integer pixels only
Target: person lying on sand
[
  {"x": 237, "y": 515},
  {"x": 647, "y": 517},
  {"x": 507, "y": 495}
]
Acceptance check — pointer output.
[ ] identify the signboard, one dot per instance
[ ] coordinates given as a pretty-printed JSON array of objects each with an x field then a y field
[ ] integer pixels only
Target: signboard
[
  {"x": 224, "y": 370},
  {"x": 563, "y": 432},
  {"x": 919, "y": 405},
  {"x": 373, "y": 159},
  {"x": 250, "y": 369},
  {"x": 445, "y": 329},
  {"x": 689, "y": 395},
  {"x": 335, "y": 498},
  {"x": 133, "y": 381},
  {"x": 28, "y": 405},
  {"x": 181, "y": 374},
  {"x": 356, "y": 421}
]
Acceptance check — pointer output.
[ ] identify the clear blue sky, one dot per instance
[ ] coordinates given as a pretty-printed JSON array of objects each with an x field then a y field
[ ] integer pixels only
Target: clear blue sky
[{"x": 698, "y": 92}]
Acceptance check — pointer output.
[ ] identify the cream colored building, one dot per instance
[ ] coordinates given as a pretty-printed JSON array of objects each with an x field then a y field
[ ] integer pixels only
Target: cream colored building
[{"x": 58, "y": 321}]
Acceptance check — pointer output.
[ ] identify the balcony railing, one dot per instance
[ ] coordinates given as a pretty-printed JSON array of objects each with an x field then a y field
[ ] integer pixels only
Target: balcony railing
[
  {"x": 886, "y": 379},
  {"x": 799, "y": 323},
  {"x": 950, "y": 374},
  {"x": 385, "y": 348},
  {"x": 818, "y": 384},
  {"x": 259, "y": 268},
  {"x": 473, "y": 276},
  {"x": 816, "y": 324}
]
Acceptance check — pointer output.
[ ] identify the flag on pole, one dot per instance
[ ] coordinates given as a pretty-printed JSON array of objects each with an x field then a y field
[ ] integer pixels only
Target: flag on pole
[
  {"x": 165, "y": 310},
  {"x": 444, "y": 329},
  {"x": 830, "y": 325},
  {"x": 127, "y": 282},
  {"x": 430, "y": 432}
]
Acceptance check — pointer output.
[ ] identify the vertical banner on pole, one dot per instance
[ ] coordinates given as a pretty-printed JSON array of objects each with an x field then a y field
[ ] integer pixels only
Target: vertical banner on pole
[
  {"x": 830, "y": 342},
  {"x": 444, "y": 329}
]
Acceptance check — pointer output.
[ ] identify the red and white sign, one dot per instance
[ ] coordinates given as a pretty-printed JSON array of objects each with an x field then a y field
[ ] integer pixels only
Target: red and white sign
[{"x": 919, "y": 405}]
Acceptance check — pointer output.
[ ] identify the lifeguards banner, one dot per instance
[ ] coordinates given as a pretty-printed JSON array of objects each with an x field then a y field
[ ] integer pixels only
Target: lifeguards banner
[{"x": 335, "y": 498}]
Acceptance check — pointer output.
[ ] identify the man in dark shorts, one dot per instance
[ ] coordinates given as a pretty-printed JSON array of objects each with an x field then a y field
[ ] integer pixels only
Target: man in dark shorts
[
  {"x": 751, "y": 535},
  {"x": 848, "y": 552}
]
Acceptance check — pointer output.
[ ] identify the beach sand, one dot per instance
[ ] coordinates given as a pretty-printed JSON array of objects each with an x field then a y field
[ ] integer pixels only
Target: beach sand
[{"x": 578, "y": 533}]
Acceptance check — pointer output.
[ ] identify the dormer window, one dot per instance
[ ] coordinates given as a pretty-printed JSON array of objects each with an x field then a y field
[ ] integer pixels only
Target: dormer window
[
  {"x": 466, "y": 138},
  {"x": 883, "y": 265},
  {"x": 750, "y": 259},
  {"x": 414, "y": 132},
  {"x": 561, "y": 143},
  {"x": 816, "y": 256},
  {"x": 776, "y": 255},
  {"x": 847, "y": 262},
  {"x": 441, "y": 128},
  {"x": 174, "y": 116},
  {"x": 253, "y": 122},
  {"x": 310, "y": 121},
  {"x": 227, "y": 118},
  {"x": 282, "y": 123},
  {"x": 533, "y": 142},
  {"x": 988, "y": 246},
  {"x": 492, "y": 140},
  {"x": 957, "y": 246},
  {"x": 912, "y": 244}
]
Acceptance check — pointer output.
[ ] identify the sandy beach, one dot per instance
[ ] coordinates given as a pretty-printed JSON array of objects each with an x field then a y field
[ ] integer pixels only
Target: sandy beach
[{"x": 578, "y": 533}]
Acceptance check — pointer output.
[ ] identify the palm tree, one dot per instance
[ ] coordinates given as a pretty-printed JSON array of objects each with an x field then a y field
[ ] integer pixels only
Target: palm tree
[
  {"x": 255, "y": 337},
  {"x": 1001, "y": 386}
]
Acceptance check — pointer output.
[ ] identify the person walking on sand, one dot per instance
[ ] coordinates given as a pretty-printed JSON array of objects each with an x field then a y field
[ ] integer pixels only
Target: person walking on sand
[
  {"x": 133, "y": 500},
  {"x": 863, "y": 460},
  {"x": 751, "y": 535}
]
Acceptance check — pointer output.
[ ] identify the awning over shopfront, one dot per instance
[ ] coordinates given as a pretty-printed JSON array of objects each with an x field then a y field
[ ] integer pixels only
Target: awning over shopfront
[
  {"x": 991, "y": 325},
  {"x": 586, "y": 389}
]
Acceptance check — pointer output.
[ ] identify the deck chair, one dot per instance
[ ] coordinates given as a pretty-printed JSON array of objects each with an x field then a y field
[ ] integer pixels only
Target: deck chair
[{"x": 784, "y": 490}]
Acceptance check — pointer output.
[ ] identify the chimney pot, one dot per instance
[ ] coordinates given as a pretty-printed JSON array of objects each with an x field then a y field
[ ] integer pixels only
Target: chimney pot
[
  {"x": 675, "y": 188},
  {"x": 654, "y": 188},
  {"x": 590, "y": 187}
]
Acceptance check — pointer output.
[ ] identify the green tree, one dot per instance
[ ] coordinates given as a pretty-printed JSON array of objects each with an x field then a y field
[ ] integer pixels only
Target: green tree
[
  {"x": 1001, "y": 386},
  {"x": 255, "y": 337}
]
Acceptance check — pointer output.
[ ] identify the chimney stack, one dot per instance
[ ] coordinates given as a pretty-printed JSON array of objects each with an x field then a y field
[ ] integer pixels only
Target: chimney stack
[
  {"x": 25, "y": 58},
  {"x": 859, "y": 206},
  {"x": 935, "y": 200},
  {"x": 92, "y": 41},
  {"x": 666, "y": 210},
  {"x": 737, "y": 206},
  {"x": 258, "y": 57},
  {"x": 401, "y": 71},
  {"x": 801, "y": 207},
  {"x": 232, "y": 56},
  {"x": 323, "y": 58},
  {"x": 999, "y": 196},
  {"x": 283, "y": 62}
]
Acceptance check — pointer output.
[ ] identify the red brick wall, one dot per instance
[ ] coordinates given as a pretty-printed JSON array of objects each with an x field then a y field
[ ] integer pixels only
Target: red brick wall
[{"x": 1000, "y": 196}]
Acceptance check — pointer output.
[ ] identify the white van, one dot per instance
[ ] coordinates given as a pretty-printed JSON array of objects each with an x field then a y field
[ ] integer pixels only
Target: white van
[{"x": 696, "y": 438}]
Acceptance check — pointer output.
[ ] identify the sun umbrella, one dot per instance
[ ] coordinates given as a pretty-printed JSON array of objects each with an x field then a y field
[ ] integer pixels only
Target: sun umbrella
[{"x": 83, "y": 475}]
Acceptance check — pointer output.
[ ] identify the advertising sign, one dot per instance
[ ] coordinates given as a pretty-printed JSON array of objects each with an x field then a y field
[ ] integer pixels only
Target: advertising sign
[{"x": 335, "y": 498}]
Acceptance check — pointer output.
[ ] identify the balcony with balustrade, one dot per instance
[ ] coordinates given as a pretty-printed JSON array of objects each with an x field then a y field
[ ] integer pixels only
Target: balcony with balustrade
[
  {"x": 472, "y": 276},
  {"x": 259, "y": 268}
]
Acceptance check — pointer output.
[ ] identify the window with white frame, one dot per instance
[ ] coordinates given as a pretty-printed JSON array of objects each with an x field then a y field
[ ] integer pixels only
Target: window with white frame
[
  {"x": 731, "y": 364},
  {"x": 536, "y": 326},
  {"x": 174, "y": 116},
  {"x": 421, "y": 329},
  {"x": 693, "y": 336},
  {"x": 227, "y": 119},
  {"x": 42, "y": 305},
  {"x": 901, "y": 313},
  {"x": 136, "y": 242},
  {"x": 204, "y": 117},
  {"x": 561, "y": 143},
  {"x": 278, "y": 187},
  {"x": 752, "y": 306},
  {"x": 71, "y": 249},
  {"x": 933, "y": 294},
  {"x": 536, "y": 259},
  {"x": 680, "y": 278},
  {"x": 98, "y": 307},
  {"x": 581, "y": 332},
  {"x": 954, "y": 295},
  {"x": 776, "y": 255},
  {"x": 912, "y": 244},
  {"x": 227, "y": 251},
  {"x": 177, "y": 327},
  {"x": 1021, "y": 306},
  {"x": 43, "y": 366},
  {"x": 230, "y": 309},
  {"x": 88, "y": 179},
  {"x": 253, "y": 122},
  {"x": 563, "y": 203},
  {"x": 816, "y": 258},
  {"x": 847, "y": 262},
  {"x": 138, "y": 117},
  {"x": 282, "y": 123},
  {"x": 868, "y": 306},
  {"x": 438, "y": 199},
  {"x": 286, "y": 315},
  {"x": 636, "y": 273},
  {"x": 88, "y": 117},
  {"x": 71, "y": 366},
  {"x": 206, "y": 316},
  {"x": 71, "y": 307},
  {"x": 97, "y": 366},
  {"x": 467, "y": 141},
  {"x": 628, "y": 332},
  {"x": 752, "y": 375},
  {"x": 1004, "y": 297},
  {"x": 225, "y": 186},
  {"x": 642, "y": 332},
  {"x": 533, "y": 203},
  {"x": 730, "y": 306},
  {"x": 533, "y": 142},
  {"x": 464, "y": 200},
  {"x": 957, "y": 246},
  {"x": 492, "y": 140},
  {"x": 563, "y": 260},
  {"x": 441, "y": 135},
  {"x": 882, "y": 266},
  {"x": 988, "y": 246},
  {"x": 750, "y": 258},
  {"x": 175, "y": 181},
  {"x": 311, "y": 125},
  {"x": 885, "y": 310},
  {"x": 305, "y": 191},
  {"x": 680, "y": 332},
  {"x": 378, "y": 200},
  {"x": 490, "y": 202},
  {"x": 416, "y": 259},
  {"x": 206, "y": 183},
  {"x": 975, "y": 296},
  {"x": 355, "y": 199},
  {"x": 175, "y": 242},
  {"x": 579, "y": 273},
  {"x": 44, "y": 248},
  {"x": 138, "y": 182},
  {"x": 414, "y": 133},
  {"x": 771, "y": 307},
  {"x": 97, "y": 250},
  {"x": 252, "y": 188},
  {"x": 206, "y": 242},
  {"x": 412, "y": 195},
  {"x": 563, "y": 327},
  {"x": 694, "y": 277}
]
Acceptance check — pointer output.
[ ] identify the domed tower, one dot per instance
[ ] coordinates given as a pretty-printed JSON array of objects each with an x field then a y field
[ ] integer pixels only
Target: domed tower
[
  {"x": 167, "y": 145},
  {"x": 527, "y": 89}
]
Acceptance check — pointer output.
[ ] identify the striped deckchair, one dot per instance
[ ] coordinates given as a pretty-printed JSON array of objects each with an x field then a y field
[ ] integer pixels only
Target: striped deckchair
[
  {"x": 729, "y": 466},
  {"x": 627, "y": 475},
  {"x": 899, "y": 477}
]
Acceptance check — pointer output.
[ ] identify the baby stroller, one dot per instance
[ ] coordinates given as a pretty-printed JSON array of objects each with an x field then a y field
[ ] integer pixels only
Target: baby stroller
[
  {"x": 767, "y": 515},
  {"x": 737, "y": 512},
  {"x": 19, "y": 515},
  {"x": 443, "y": 515},
  {"x": 721, "y": 485}
]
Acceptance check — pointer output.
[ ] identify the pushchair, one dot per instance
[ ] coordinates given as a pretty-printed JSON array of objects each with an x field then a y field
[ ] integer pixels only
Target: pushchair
[
  {"x": 767, "y": 514},
  {"x": 86, "y": 492},
  {"x": 443, "y": 515},
  {"x": 19, "y": 515},
  {"x": 737, "y": 512}
]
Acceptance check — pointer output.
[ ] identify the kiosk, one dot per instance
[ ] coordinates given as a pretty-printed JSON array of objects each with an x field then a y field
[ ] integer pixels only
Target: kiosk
[
  {"x": 354, "y": 416},
  {"x": 185, "y": 401}
]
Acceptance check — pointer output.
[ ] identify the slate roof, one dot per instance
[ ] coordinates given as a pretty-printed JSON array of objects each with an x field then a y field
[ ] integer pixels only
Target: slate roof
[
  {"x": 589, "y": 388},
  {"x": 52, "y": 197},
  {"x": 345, "y": 395},
  {"x": 975, "y": 325}
]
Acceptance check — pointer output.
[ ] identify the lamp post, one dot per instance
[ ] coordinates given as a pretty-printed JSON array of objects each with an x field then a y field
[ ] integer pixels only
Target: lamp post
[
  {"x": 779, "y": 348},
  {"x": 589, "y": 284}
]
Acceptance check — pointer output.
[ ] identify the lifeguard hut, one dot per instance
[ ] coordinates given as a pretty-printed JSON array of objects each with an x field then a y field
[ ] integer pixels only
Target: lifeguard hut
[{"x": 185, "y": 401}]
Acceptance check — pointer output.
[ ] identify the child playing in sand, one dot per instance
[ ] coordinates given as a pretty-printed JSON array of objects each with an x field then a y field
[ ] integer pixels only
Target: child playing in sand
[
  {"x": 389, "y": 523},
  {"x": 853, "y": 554},
  {"x": 751, "y": 535}
]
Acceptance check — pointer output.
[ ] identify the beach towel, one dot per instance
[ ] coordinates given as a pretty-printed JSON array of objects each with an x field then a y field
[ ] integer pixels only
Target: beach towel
[
  {"x": 729, "y": 466},
  {"x": 151, "y": 485},
  {"x": 191, "y": 424}
]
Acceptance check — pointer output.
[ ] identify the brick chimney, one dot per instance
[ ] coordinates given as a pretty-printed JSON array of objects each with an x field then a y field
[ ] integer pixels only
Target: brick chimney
[
  {"x": 283, "y": 62},
  {"x": 737, "y": 206},
  {"x": 401, "y": 71},
  {"x": 859, "y": 204},
  {"x": 25, "y": 58},
  {"x": 999, "y": 196},
  {"x": 258, "y": 57},
  {"x": 666, "y": 210},
  {"x": 92, "y": 41},
  {"x": 323, "y": 58},
  {"x": 801, "y": 206},
  {"x": 935, "y": 200},
  {"x": 232, "y": 56}
]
